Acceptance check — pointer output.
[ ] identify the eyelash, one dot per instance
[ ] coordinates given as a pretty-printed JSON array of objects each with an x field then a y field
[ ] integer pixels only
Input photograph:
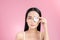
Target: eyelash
[{"x": 29, "y": 18}]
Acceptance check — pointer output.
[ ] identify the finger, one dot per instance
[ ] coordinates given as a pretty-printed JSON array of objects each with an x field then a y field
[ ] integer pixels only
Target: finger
[
  {"x": 40, "y": 18},
  {"x": 40, "y": 21}
]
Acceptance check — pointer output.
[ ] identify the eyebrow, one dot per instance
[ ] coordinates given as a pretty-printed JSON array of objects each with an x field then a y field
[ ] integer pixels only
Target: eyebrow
[{"x": 29, "y": 16}]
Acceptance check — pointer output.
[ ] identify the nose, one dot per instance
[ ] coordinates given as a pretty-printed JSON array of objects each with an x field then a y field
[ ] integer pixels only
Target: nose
[{"x": 32, "y": 21}]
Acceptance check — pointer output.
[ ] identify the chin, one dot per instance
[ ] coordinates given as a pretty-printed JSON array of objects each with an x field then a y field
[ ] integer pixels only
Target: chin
[{"x": 33, "y": 27}]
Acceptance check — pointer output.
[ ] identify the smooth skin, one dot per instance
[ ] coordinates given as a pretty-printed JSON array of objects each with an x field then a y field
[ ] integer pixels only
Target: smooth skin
[{"x": 32, "y": 33}]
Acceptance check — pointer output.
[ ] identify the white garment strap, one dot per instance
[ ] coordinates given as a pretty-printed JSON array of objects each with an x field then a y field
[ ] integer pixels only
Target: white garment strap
[{"x": 24, "y": 35}]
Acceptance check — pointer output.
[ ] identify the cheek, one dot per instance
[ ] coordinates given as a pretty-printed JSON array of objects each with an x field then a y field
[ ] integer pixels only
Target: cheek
[
  {"x": 37, "y": 23},
  {"x": 29, "y": 22}
]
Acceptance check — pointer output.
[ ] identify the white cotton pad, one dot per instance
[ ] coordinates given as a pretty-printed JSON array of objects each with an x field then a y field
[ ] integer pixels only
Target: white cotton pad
[{"x": 36, "y": 19}]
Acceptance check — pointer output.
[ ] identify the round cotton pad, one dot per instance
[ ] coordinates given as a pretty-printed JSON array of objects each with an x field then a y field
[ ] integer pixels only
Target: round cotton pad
[{"x": 36, "y": 19}]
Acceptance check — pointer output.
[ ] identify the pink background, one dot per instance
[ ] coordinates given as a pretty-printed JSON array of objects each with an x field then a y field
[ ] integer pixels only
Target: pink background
[{"x": 12, "y": 14}]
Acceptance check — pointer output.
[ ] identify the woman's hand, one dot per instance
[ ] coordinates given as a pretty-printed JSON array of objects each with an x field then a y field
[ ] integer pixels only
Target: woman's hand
[
  {"x": 44, "y": 23},
  {"x": 42, "y": 20}
]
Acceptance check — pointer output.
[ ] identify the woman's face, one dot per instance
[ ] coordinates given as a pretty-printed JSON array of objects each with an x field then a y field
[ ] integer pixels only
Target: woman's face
[{"x": 30, "y": 19}]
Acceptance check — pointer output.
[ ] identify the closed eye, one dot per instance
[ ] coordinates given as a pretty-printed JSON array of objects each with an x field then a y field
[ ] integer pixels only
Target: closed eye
[{"x": 29, "y": 17}]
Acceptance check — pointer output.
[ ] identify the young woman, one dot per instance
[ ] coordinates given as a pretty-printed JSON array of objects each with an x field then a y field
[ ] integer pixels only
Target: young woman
[{"x": 32, "y": 30}]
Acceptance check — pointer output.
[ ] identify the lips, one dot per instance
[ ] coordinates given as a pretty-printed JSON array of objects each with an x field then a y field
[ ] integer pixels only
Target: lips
[{"x": 32, "y": 25}]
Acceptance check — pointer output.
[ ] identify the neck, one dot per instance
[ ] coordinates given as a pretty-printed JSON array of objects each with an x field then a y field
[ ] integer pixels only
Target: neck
[{"x": 32, "y": 30}]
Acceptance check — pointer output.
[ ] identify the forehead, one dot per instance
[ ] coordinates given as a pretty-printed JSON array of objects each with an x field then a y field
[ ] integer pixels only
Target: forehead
[{"x": 33, "y": 13}]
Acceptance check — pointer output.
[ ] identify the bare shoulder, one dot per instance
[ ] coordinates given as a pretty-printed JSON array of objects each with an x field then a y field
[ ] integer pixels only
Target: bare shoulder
[{"x": 19, "y": 35}]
